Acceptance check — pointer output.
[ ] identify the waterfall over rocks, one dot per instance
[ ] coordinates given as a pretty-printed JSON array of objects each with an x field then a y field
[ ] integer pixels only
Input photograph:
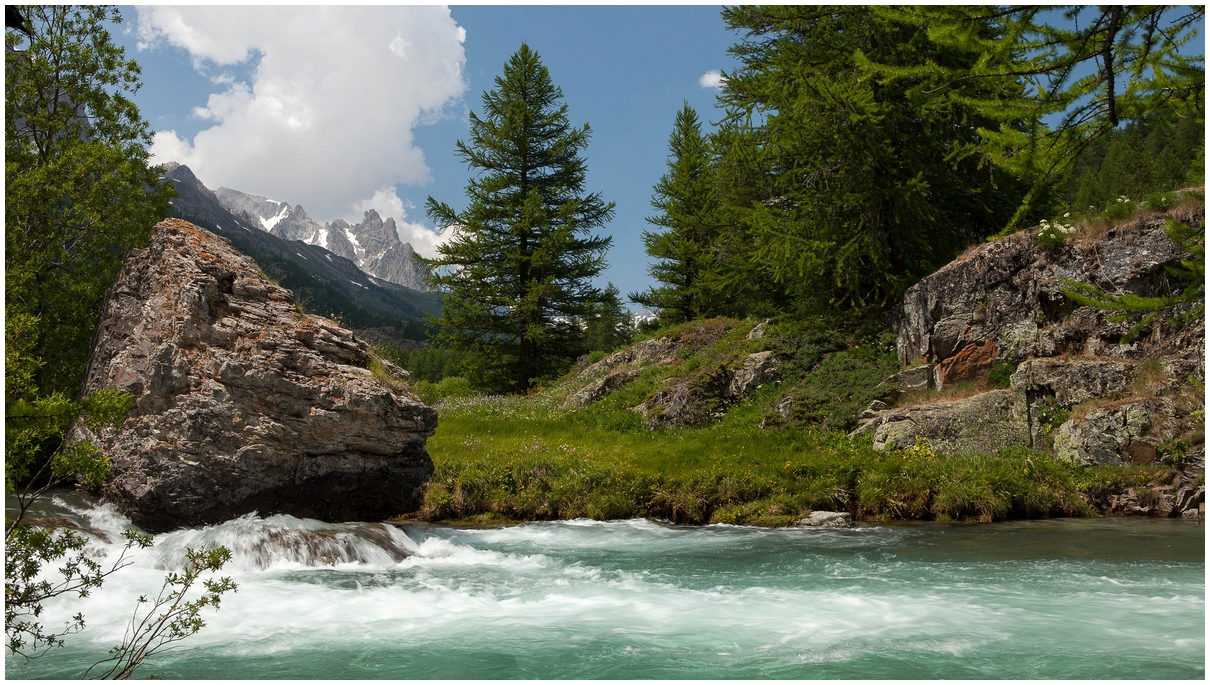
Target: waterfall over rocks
[{"x": 241, "y": 402}]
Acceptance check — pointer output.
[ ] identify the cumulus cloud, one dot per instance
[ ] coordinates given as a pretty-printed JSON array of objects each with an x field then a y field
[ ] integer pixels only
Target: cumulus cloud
[
  {"x": 388, "y": 204},
  {"x": 325, "y": 119},
  {"x": 712, "y": 79}
]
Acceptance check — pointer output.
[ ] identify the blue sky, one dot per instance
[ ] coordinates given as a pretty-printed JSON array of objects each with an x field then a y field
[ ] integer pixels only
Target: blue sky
[{"x": 624, "y": 70}]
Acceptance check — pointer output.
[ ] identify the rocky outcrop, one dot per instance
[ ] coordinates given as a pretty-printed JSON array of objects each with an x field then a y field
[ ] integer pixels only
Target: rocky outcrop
[
  {"x": 601, "y": 387},
  {"x": 241, "y": 402},
  {"x": 704, "y": 394},
  {"x": 985, "y": 423},
  {"x": 1004, "y": 301},
  {"x": 1077, "y": 391},
  {"x": 758, "y": 368}
]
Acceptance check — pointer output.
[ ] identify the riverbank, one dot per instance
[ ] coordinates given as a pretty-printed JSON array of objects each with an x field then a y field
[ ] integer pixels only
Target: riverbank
[{"x": 504, "y": 459}]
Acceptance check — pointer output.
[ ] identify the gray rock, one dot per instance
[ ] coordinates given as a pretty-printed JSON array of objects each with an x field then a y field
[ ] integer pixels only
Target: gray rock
[
  {"x": 757, "y": 369},
  {"x": 758, "y": 331},
  {"x": 873, "y": 410},
  {"x": 1010, "y": 293},
  {"x": 827, "y": 519},
  {"x": 985, "y": 423},
  {"x": 1072, "y": 382},
  {"x": 601, "y": 387},
  {"x": 1103, "y": 436},
  {"x": 918, "y": 378},
  {"x": 242, "y": 403},
  {"x": 661, "y": 350}
]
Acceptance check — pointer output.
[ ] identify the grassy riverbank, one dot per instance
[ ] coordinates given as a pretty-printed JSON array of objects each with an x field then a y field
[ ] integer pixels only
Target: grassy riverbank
[{"x": 504, "y": 459}]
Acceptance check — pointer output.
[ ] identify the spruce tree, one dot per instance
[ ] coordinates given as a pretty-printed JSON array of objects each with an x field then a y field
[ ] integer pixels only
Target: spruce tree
[
  {"x": 688, "y": 201},
  {"x": 517, "y": 272}
]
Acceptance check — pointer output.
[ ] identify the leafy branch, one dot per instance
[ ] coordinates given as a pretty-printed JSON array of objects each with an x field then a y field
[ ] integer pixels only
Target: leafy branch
[{"x": 170, "y": 617}]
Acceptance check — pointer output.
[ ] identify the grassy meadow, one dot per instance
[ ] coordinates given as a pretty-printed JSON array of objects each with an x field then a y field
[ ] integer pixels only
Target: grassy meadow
[{"x": 520, "y": 458}]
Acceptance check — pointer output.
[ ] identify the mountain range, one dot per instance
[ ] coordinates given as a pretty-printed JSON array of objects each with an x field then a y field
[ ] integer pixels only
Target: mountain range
[
  {"x": 373, "y": 245},
  {"x": 323, "y": 282}
]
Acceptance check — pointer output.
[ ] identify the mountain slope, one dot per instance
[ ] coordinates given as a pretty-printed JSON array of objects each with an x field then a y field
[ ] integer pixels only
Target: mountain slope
[
  {"x": 324, "y": 283},
  {"x": 373, "y": 244}
]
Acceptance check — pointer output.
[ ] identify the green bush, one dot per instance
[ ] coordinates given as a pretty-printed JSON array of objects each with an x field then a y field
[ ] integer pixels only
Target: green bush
[
  {"x": 841, "y": 385},
  {"x": 1051, "y": 236},
  {"x": 453, "y": 386},
  {"x": 1119, "y": 209}
]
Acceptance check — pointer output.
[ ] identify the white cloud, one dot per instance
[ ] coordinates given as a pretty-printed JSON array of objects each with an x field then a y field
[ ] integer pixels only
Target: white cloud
[
  {"x": 712, "y": 79},
  {"x": 326, "y": 117},
  {"x": 388, "y": 204}
]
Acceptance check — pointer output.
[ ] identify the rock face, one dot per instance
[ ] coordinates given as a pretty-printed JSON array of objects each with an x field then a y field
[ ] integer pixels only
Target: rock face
[
  {"x": 1004, "y": 301},
  {"x": 241, "y": 403},
  {"x": 1077, "y": 391}
]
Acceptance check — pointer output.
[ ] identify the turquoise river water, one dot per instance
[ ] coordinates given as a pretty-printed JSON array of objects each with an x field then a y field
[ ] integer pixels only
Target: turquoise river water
[{"x": 635, "y": 599}]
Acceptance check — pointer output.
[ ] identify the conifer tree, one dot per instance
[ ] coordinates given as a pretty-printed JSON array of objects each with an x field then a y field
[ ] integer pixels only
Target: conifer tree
[
  {"x": 843, "y": 190},
  {"x": 1086, "y": 69},
  {"x": 517, "y": 273},
  {"x": 688, "y": 201}
]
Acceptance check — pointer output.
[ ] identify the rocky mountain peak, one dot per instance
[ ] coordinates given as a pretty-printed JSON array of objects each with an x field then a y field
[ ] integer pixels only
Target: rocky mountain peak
[{"x": 373, "y": 244}]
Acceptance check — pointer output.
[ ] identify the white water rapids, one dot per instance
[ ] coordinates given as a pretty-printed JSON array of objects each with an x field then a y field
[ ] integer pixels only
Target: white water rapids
[{"x": 635, "y": 599}]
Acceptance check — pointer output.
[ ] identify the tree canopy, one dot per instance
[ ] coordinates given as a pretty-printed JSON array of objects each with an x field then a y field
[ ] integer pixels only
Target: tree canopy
[
  {"x": 517, "y": 271},
  {"x": 79, "y": 192}
]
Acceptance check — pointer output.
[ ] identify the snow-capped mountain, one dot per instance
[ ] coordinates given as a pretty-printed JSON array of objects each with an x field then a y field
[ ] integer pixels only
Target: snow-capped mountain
[{"x": 373, "y": 245}]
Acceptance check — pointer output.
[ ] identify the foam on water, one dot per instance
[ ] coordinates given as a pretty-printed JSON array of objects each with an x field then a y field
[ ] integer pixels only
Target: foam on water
[{"x": 627, "y": 599}]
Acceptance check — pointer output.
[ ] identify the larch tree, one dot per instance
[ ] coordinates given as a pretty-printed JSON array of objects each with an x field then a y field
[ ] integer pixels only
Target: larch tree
[
  {"x": 688, "y": 202},
  {"x": 843, "y": 190},
  {"x": 1085, "y": 70},
  {"x": 517, "y": 271}
]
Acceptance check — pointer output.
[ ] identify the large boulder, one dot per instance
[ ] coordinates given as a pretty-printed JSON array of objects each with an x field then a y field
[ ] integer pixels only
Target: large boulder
[{"x": 241, "y": 402}]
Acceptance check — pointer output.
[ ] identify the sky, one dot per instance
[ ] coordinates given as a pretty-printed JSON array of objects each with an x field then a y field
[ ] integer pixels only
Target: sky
[{"x": 343, "y": 109}]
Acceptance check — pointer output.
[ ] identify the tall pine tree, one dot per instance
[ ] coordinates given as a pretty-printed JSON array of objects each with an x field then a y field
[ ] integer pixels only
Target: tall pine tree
[
  {"x": 518, "y": 270},
  {"x": 688, "y": 200}
]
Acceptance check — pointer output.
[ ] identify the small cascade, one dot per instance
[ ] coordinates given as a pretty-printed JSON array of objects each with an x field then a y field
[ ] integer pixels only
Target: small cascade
[
  {"x": 256, "y": 543},
  {"x": 260, "y": 543}
]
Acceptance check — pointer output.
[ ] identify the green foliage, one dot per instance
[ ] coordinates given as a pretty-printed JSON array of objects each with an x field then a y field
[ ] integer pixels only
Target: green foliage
[
  {"x": 841, "y": 189},
  {"x": 451, "y": 386},
  {"x": 1093, "y": 68},
  {"x": 1145, "y": 159},
  {"x": 26, "y": 551},
  {"x": 843, "y": 384},
  {"x": 170, "y": 617},
  {"x": 1189, "y": 275},
  {"x": 608, "y": 325},
  {"x": 511, "y": 458},
  {"x": 518, "y": 270},
  {"x": 1052, "y": 236},
  {"x": 1001, "y": 374},
  {"x": 689, "y": 203},
  {"x": 78, "y": 191},
  {"x": 428, "y": 363}
]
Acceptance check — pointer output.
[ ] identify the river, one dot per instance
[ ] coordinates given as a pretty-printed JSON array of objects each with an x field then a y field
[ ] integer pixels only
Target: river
[{"x": 1102, "y": 598}]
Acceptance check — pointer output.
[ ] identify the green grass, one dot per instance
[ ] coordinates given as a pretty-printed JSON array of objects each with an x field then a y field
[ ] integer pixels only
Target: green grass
[
  {"x": 511, "y": 458},
  {"x": 516, "y": 459}
]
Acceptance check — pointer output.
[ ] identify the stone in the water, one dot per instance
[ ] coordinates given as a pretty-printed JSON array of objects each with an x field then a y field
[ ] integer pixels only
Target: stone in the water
[
  {"x": 241, "y": 402},
  {"x": 828, "y": 519}
]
